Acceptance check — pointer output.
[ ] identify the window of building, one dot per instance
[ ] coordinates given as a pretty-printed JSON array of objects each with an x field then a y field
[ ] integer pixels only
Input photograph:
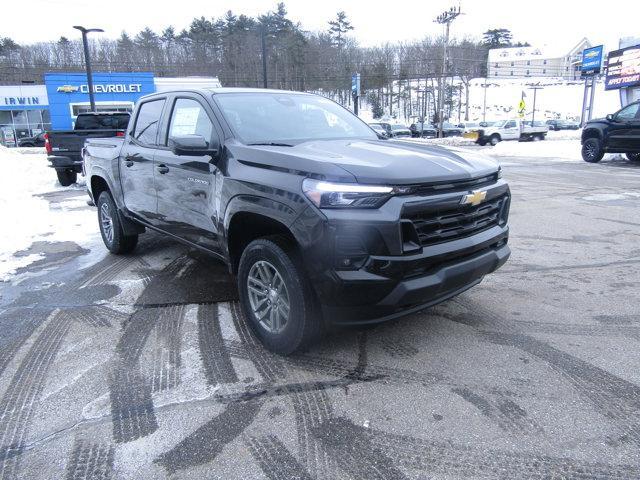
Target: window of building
[
  {"x": 496, "y": 74},
  {"x": 17, "y": 124},
  {"x": 496, "y": 65},
  {"x": 512, "y": 73},
  {"x": 527, "y": 73},
  {"x": 544, "y": 70},
  {"x": 512, "y": 64},
  {"x": 544, "y": 62},
  {"x": 528, "y": 62}
]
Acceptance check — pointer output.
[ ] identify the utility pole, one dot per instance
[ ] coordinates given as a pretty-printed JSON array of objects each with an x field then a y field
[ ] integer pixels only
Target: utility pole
[
  {"x": 444, "y": 18},
  {"x": 484, "y": 102},
  {"x": 533, "y": 113},
  {"x": 264, "y": 56},
  {"x": 87, "y": 62}
]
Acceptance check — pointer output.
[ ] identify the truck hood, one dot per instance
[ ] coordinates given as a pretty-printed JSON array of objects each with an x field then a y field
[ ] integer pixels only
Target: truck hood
[{"x": 379, "y": 162}]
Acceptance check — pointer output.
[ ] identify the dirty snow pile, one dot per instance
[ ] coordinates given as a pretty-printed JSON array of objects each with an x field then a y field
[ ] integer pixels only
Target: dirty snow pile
[{"x": 27, "y": 217}]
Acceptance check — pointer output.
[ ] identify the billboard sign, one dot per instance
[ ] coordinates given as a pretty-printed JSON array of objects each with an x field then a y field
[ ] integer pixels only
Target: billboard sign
[
  {"x": 623, "y": 68},
  {"x": 591, "y": 61}
]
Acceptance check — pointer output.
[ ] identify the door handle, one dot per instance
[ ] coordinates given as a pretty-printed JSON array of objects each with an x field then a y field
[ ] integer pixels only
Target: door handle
[{"x": 163, "y": 169}]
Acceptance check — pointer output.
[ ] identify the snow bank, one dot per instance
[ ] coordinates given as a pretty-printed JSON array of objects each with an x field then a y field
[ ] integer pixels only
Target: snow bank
[
  {"x": 560, "y": 149},
  {"x": 26, "y": 217}
]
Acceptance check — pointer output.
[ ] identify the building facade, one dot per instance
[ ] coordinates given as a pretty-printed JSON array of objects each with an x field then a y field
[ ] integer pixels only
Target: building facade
[
  {"x": 537, "y": 61},
  {"x": 27, "y": 110}
]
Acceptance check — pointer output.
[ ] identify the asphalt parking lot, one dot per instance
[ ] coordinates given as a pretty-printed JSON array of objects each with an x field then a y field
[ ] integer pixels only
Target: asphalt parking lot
[{"x": 141, "y": 367}]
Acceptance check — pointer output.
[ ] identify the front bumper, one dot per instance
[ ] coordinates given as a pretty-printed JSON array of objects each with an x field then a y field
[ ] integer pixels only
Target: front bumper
[
  {"x": 366, "y": 266},
  {"x": 414, "y": 294}
]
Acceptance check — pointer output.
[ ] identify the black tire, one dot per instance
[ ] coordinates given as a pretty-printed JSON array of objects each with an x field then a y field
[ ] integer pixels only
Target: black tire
[
  {"x": 67, "y": 177},
  {"x": 634, "y": 157},
  {"x": 494, "y": 139},
  {"x": 592, "y": 151},
  {"x": 303, "y": 324},
  {"x": 537, "y": 138},
  {"x": 482, "y": 142},
  {"x": 117, "y": 242}
]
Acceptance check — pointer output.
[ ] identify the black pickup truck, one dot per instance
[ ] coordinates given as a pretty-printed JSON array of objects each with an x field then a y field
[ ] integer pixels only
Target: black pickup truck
[
  {"x": 616, "y": 133},
  {"x": 64, "y": 147},
  {"x": 321, "y": 221}
]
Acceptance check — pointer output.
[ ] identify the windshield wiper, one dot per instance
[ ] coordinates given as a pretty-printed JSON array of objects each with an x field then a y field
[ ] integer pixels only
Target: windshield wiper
[{"x": 271, "y": 144}]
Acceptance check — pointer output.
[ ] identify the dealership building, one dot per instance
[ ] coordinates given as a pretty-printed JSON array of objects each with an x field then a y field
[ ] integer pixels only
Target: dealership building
[{"x": 27, "y": 110}]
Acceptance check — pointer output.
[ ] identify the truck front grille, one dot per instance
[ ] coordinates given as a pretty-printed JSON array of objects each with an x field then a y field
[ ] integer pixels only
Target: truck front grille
[{"x": 442, "y": 225}]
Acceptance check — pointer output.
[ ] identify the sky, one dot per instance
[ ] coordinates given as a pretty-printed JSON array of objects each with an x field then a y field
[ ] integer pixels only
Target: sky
[{"x": 564, "y": 22}]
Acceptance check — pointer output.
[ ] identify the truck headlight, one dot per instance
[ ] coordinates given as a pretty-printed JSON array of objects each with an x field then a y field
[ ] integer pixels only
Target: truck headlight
[{"x": 345, "y": 195}]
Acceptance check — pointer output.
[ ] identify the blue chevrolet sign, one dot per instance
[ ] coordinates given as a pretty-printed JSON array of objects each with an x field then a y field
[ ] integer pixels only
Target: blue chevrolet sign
[
  {"x": 69, "y": 93},
  {"x": 591, "y": 60}
]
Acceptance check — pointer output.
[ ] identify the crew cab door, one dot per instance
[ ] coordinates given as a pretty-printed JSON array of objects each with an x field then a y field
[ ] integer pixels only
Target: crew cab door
[
  {"x": 511, "y": 130},
  {"x": 624, "y": 129},
  {"x": 137, "y": 161},
  {"x": 186, "y": 185}
]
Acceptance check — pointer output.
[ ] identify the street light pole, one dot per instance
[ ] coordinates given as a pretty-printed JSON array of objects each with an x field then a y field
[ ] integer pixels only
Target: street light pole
[
  {"x": 263, "y": 42},
  {"x": 444, "y": 18},
  {"x": 87, "y": 62}
]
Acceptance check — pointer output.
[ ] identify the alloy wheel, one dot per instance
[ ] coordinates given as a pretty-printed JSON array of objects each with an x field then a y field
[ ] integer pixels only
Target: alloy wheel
[
  {"x": 107, "y": 222},
  {"x": 268, "y": 296}
]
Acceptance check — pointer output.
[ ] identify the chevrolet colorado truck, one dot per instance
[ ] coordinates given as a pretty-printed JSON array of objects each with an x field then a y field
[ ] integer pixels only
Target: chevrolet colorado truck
[
  {"x": 616, "y": 133},
  {"x": 320, "y": 221},
  {"x": 64, "y": 147}
]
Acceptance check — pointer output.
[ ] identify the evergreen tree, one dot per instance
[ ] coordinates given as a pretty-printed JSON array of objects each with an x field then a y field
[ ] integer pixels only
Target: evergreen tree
[
  {"x": 497, "y": 38},
  {"x": 338, "y": 28}
]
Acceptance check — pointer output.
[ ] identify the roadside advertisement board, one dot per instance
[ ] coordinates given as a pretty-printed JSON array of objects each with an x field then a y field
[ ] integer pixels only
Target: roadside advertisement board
[
  {"x": 591, "y": 61},
  {"x": 623, "y": 68},
  {"x": 355, "y": 84}
]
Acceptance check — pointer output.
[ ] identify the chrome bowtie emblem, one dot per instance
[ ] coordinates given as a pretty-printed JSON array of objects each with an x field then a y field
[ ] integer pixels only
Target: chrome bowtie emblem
[{"x": 474, "y": 198}]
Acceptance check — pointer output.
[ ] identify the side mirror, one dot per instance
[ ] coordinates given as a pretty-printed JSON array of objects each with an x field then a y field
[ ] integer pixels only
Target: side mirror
[
  {"x": 610, "y": 117},
  {"x": 194, "y": 145}
]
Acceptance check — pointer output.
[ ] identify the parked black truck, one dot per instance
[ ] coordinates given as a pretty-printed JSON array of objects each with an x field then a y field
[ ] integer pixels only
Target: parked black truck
[
  {"x": 64, "y": 147},
  {"x": 320, "y": 220},
  {"x": 616, "y": 133}
]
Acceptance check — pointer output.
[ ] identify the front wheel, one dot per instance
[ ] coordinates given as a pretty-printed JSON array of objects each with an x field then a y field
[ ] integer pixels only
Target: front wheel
[
  {"x": 634, "y": 157},
  {"x": 592, "y": 151},
  {"x": 67, "y": 177},
  {"x": 110, "y": 228},
  {"x": 494, "y": 140},
  {"x": 276, "y": 296}
]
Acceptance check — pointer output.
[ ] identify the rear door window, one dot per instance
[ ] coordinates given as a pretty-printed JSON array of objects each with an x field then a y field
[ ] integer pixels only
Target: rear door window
[{"x": 146, "y": 128}]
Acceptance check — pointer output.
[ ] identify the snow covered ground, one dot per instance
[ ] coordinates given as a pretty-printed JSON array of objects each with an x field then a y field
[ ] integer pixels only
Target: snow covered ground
[{"x": 28, "y": 216}]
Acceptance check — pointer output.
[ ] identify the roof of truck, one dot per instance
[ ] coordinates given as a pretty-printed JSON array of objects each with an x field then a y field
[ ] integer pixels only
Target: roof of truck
[{"x": 221, "y": 90}]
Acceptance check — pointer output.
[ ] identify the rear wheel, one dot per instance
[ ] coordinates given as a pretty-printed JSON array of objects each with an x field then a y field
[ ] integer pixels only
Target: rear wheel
[
  {"x": 634, "y": 157},
  {"x": 537, "y": 138},
  {"x": 110, "y": 228},
  {"x": 276, "y": 296},
  {"x": 67, "y": 177},
  {"x": 494, "y": 139},
  {"x": 592, "y": 151}
]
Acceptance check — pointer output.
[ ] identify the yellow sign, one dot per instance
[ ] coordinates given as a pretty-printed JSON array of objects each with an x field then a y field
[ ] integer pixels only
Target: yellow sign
[{"x": 522, "y": 105}]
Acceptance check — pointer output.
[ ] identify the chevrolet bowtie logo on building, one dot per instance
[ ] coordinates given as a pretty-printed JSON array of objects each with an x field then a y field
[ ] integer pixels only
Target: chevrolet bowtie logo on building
[
  {"x": 474, "y": 198},
  {"x": 67, "y": 88}
]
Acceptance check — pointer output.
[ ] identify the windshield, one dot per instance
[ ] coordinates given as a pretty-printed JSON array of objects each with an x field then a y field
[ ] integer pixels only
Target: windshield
[
  {"x": 286, "y": 118},
  {"x": 499, "y": 124}
]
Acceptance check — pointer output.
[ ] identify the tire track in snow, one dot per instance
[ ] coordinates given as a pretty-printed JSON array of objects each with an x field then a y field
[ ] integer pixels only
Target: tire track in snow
[
  {"x": 90, "y": 461},
  {"x": 275, "y": 460},
  {"x": 18, "y": 404}
]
